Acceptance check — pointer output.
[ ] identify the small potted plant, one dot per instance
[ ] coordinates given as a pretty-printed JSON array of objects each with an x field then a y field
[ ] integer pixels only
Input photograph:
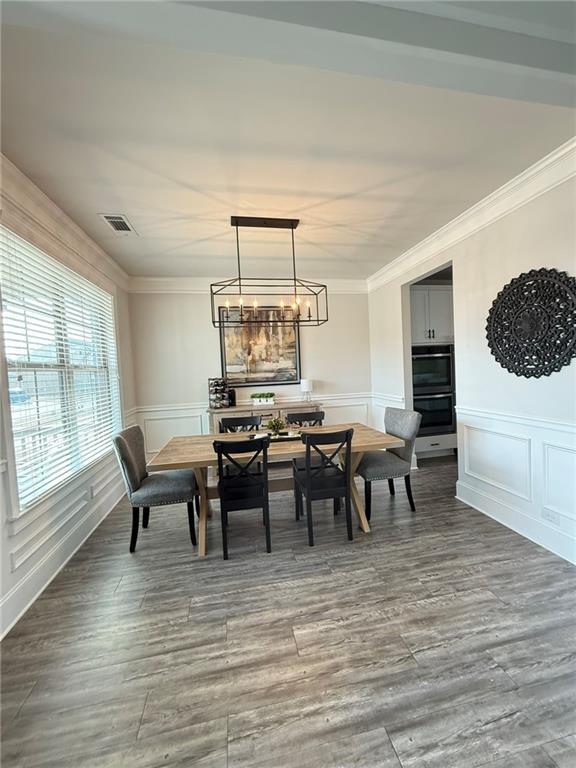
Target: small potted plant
[
  {"x": 263, "y": 398},
  {"x": 275, "y": 425}
]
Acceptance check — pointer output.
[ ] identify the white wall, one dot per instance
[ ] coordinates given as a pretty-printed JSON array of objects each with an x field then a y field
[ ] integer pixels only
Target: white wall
[
  {"x": 516, "y": 436},
  {"x": 176, "y": 350},
  {"x": 35, "y": 546}
]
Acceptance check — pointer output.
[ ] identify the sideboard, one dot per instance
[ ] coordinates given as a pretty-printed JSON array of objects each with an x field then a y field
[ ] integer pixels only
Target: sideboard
[{"x": 267, "y": 411}]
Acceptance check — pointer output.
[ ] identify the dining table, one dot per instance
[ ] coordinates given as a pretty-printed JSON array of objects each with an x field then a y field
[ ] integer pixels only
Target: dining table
[{"x": 196, "y": 452}]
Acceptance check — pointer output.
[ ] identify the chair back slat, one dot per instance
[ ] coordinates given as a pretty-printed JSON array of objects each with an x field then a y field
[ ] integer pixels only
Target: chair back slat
[
  {"x": 306, "y": 418},
  {"x": 340, "y": 446},
  {"x": 240, "y": 423},
  {"x": 253, "y": 462}
]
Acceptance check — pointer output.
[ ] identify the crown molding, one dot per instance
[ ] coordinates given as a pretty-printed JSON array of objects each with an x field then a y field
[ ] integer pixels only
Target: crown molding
[
  {"x": 544, "y": 175},
  {"x": 201, "y": 285},
  {"x": 31, "y": 214}
]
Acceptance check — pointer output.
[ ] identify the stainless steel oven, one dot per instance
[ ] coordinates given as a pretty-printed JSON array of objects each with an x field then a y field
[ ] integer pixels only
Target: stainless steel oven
[
  {"x": 438, "y": 413},
  {"x": 432, "y": 369}
]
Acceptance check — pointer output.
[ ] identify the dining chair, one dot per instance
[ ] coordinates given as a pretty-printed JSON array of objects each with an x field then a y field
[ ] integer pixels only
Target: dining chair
[
  {"x": 309, "y": 419},
  {"x": 325, "y": 475},
  {"x": 246, "y": 486},
  {"x": 240, "y": 423},
  {"x": 306, "y": 418},
  {"x": 393, "y": 462},
  {"x": 172, "y": 486}
]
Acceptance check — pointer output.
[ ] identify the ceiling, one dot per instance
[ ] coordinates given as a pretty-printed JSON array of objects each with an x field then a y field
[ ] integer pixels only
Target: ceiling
[{"x": 373, "y": 123}]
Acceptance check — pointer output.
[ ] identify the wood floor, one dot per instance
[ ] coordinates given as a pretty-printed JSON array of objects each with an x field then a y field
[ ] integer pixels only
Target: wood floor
[{"x": 442, "y": 640}]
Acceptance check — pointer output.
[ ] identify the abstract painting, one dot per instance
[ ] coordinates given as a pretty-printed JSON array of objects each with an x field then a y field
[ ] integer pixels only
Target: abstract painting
[{"x": 266, "y": 353}]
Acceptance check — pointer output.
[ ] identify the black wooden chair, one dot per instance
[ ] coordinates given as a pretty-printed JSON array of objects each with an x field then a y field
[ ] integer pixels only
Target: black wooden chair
[
  {"x": 323, "y": 475},
  {"x": 240, "y": 424},
  {"x": 306, "y": 419},
  {"x": 309, "y": 419},
  {"x": 246, "y": 486}
]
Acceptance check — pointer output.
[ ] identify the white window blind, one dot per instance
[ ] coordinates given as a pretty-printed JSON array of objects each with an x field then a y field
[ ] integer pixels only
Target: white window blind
[{"x": 60, "y": 350}]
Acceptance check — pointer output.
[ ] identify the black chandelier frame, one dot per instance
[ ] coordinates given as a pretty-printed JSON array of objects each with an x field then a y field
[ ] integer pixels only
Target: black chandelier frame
[{"x": 239, "y": 301}]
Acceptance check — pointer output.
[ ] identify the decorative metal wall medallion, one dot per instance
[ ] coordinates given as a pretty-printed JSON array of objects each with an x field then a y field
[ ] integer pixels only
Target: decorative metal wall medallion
[{"x": 531, "y": 328}]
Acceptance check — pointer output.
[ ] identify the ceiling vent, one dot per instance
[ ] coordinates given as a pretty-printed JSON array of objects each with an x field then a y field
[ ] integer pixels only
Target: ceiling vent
[{"x": 118, "y": 222}]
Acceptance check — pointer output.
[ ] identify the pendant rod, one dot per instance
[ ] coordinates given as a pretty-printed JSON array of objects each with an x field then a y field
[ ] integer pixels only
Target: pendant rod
[
  {"x": 293, "y": 262},
  {"x": 238, "y": 258}
]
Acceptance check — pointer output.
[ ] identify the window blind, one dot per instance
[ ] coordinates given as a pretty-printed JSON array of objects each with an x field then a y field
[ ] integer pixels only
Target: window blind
[{"x": 60, "y": 346}]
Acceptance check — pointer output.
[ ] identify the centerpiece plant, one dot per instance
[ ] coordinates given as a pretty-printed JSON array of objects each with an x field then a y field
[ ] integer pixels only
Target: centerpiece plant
[{"x": 275, "y": 425}]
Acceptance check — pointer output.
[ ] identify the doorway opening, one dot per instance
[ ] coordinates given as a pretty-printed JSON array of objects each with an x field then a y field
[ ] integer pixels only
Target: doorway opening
[{"x": 430, "y": 369}]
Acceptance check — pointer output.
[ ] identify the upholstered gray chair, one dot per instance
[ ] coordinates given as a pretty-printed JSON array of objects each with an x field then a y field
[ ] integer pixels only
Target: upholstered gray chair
[
  {"x": 394, "y": 462},
  {"x": 174, "y": 486}
]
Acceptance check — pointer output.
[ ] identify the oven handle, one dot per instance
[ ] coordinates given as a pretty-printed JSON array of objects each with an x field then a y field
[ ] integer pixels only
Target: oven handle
[
  {"x": 431, "y": 397},
  {"x": 436, "y": 354}
]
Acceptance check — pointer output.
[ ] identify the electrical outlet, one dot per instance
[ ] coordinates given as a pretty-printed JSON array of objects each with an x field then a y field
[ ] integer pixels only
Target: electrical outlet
[{"x": 551, "y": 516}]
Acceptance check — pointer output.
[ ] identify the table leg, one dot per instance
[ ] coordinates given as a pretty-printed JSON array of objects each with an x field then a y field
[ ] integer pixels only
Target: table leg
[
  {"x": 357, "y": 502},
  {"x": 201, "y": 475}
]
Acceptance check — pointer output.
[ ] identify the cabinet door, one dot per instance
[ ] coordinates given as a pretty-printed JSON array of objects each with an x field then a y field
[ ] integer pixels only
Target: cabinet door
[
  {"x": 419, "y": 315},
  {"x": 441, "y": 314}
]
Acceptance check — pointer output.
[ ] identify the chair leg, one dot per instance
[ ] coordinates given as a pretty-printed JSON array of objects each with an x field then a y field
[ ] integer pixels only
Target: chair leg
[
  {"x": 197, "y": 504},
  {"x": 349, "y": 517},
  {"x": 224, "y": 521},
  {"x": 368, "y": 498},
  {"x": 266, "y": 513},
  {"x": 309, "y": 520},
  {"x": 336, "y": 506},
  {"x": 135, "y": 526},
  {"x": 409, "y": 493},
  {"x": 145, "y": 516},
  {"x": 298, "y": 502},
  {"x": 191, "y": 523},
  {"x": 391, "y": 486}
]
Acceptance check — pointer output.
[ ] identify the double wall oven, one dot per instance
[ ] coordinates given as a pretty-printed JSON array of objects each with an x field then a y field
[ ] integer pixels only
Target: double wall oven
[{"x": 434, "y": 388}]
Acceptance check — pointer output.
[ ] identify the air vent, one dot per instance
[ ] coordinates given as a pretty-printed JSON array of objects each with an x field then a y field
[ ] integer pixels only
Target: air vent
[{"x": 118, "y": 222}]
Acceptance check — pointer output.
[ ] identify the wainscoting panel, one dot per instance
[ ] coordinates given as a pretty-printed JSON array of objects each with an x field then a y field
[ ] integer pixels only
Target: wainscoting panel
[
  {"x": 521, "y": 472},
  {"x": 560, "y": 480},
  {"x": 379, "y": 404},
  {"x": 159, "y": 429},
  {"x": 42, "y": 540},
  {"x": 498, "y": 459}
]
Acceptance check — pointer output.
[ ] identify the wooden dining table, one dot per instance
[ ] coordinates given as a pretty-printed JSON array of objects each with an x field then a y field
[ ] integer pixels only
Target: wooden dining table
[{"x": 196, "y": 452}]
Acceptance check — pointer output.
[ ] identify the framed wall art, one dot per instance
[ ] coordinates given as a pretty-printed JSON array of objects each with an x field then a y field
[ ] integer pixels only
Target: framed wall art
[{"x": 254, "y": 354}]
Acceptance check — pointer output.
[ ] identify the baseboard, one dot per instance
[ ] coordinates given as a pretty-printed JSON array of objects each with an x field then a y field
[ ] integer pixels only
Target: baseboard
[{"x": 535, "y": 530}]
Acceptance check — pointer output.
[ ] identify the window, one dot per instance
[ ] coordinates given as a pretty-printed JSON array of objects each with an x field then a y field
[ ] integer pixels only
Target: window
[{"x": 62, "y": 370}]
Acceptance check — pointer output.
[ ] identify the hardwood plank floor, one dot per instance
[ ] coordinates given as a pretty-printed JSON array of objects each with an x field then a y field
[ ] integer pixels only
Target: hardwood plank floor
[{"x": 441, "y": 640}]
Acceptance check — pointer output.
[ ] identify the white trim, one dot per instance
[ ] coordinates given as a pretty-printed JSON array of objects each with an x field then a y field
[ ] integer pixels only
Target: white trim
[
  {"x": 203, "y": 404},
  {"x": 544, "y": 175},
  {"x": 33, "y": 216},
  {"x": 515, "y": 418},
  {"x": 393, "y": 398},
  {"x": 201, "y": 285},
  {"x": 517, "y": 520}
]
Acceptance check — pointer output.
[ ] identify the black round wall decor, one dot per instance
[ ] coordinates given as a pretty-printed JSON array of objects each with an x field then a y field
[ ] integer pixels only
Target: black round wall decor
[{"x": 531, "y": 328}]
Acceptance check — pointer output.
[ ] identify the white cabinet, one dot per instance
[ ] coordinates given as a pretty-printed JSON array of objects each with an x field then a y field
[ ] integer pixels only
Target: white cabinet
[{"x": 432, "y": 317}]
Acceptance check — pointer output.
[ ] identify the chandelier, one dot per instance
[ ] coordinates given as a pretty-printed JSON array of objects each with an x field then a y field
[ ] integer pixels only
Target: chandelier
[{"x": 261, "y": 301}]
